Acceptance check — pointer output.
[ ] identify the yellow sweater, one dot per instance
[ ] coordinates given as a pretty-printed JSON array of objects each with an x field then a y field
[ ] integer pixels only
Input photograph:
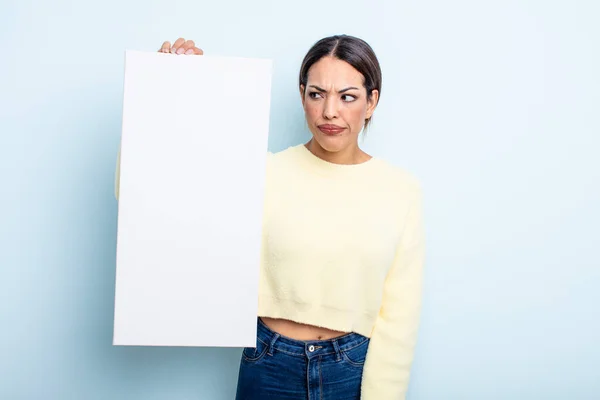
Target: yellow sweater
[{"x": 343, "y": 248}]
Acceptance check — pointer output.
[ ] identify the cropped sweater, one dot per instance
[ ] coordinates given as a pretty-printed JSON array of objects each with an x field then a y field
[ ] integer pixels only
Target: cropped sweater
[{"x": 343, "y": 248}]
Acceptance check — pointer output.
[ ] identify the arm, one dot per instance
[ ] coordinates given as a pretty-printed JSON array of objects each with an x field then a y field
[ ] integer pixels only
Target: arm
[{"x": 391, "y": 349}]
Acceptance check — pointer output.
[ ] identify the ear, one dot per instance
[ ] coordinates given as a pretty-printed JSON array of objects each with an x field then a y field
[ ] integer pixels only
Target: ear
[
  {"x": 302, "y": 89},
  {"x": 372, "y": 103}
]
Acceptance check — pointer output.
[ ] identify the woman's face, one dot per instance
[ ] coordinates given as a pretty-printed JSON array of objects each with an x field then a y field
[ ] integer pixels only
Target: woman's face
[{"x": 335, "y": 103}]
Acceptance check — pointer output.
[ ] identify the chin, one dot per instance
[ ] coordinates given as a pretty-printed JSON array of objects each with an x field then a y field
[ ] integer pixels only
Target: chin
[{"x": 332, "y": 144}]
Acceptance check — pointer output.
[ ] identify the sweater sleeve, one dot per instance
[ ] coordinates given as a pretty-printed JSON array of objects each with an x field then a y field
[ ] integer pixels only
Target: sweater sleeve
[{"x": 389, "y": 358}]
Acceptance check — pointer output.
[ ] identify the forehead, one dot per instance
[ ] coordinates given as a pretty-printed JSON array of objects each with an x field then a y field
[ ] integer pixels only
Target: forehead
[{"x": 330, "y": 71}]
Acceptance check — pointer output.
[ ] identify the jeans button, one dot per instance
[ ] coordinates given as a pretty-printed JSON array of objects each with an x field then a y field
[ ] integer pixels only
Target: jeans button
[{"x": 311, "y": 348}]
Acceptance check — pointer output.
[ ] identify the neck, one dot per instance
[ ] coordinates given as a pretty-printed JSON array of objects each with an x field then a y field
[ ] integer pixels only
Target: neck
[{"x": 349, "y": 155}]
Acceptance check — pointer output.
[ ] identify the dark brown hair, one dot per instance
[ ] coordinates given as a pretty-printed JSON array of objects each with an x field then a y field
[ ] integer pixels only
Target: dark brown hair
[{"x": 354, "y": 51}]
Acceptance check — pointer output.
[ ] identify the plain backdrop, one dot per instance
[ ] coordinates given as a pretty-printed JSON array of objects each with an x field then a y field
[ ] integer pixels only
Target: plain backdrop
[{"x": 493, "y": 105}]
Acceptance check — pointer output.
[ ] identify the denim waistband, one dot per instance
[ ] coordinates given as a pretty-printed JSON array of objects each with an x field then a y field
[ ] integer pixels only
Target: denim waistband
[{"x": 309, "y": 348}]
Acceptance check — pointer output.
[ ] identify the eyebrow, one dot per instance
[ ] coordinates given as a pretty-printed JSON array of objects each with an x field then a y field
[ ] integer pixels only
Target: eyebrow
[{"x": 340, "y": 91}]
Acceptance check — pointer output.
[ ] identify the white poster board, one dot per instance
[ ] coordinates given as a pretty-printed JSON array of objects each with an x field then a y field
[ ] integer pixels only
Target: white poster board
[{"x": 193, "y": 155}]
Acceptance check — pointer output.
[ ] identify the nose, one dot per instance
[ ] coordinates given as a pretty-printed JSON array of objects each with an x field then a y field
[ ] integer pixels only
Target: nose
[{"x": 330, "y": 110}]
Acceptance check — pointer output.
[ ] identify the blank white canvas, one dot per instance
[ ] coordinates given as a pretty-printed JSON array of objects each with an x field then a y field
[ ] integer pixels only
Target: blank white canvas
[{"x": 193, "y": 155}]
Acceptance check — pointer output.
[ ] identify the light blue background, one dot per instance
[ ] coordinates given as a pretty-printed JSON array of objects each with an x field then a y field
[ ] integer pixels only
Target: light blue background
[{"x": 494, "y": 105}]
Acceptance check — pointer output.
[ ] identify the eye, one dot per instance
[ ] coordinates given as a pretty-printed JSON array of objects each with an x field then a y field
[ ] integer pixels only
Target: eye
[
  {"x": 314, "y": 95},
  {"x": 348, "y": 98}
]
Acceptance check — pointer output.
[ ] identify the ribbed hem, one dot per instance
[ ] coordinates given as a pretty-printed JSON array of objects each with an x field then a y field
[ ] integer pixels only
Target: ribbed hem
[{"x": 316, "y": 315}]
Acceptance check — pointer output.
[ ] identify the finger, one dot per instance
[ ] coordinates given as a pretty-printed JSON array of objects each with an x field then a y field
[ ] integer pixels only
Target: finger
[
  {"x": 165, "y": 48},
  {"x": 177, "y": 45},
  {"x": 194, "y": 50},
  {"x": 189, "y": 44},
  {"x": 185, "y": 46}
]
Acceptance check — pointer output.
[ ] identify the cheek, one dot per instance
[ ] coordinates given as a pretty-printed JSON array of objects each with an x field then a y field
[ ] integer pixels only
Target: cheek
[
  {"x": 355, "y": 114},
  {"x": 312, "y": 110}
]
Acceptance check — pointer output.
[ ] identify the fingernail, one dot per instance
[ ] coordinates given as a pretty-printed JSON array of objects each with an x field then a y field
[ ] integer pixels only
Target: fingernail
[
  {"x": 189, "y": 51},
  {"x": 173, "y": 50},
  {"x": 180, "y": 50}
]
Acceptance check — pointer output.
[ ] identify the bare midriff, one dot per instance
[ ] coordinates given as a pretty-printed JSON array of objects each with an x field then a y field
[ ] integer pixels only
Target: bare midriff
[{"x": 300, "y": 331}]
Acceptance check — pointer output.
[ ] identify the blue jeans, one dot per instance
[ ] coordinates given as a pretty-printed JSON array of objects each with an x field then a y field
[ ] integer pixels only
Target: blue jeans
[{"x": 283, "y": 368}]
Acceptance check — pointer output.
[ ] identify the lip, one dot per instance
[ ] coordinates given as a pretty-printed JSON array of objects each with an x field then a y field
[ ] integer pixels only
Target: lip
[{"x": 330, "y": 129}]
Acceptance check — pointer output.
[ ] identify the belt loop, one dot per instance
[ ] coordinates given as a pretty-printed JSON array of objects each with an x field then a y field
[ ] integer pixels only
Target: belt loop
[
  {"x": 336, "y": 347},
  {"x": 273, "y": 340}
]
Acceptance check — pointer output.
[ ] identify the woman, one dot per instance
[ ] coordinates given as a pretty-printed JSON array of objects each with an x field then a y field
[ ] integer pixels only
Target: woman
[{"x": 343, "y": 247}]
